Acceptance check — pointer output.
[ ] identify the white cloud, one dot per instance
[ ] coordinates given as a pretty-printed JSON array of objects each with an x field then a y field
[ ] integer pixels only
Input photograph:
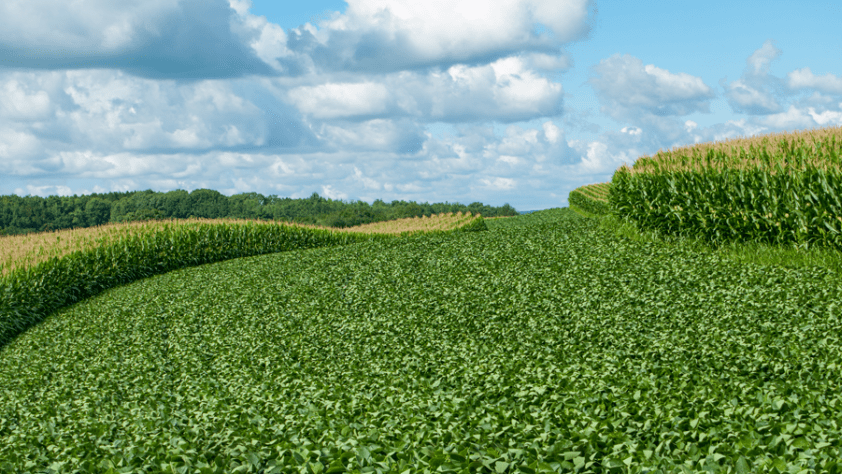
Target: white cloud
[
  {"x": 240, "y": 6},
  {"x": 341, "y": 100},
  {"x": 551, "y": 132},
  {"x": 499, "y": 184},
  {"x": 410, "y": 188},
  {"x": 827, "y": 117},
  {"x": 757, "y": 92},
  {"x": 804, "y": 79},
  {"x": 150, "y": 38},
  {"x": 634, "y": 131},
  {"x": 378, "y": 134},
  {"x": 368, "y": 183},
  {"x": 746, "y": 99},
  {"x": 520, "y": 90},
  {"x": 415, "y": 33},
  {"x": 512, "y": 160},
  {"x": 18, "y": 101},
  {"x": 16, "y": 145},
  {"x": 329, "y": 192},
  {"x": 795, "y": 118},
  {"x": 597, "y": 158},
  {"x": 759, "y": 61},
  {"x": 627, "y": 89},
  {"x": 504, "y": 90},
  {"x": 792, "y": 118},
  {"x": 113, "y": 111},
  {"x": 45, "y": 191},
  {"x": 83, "y": 25}
]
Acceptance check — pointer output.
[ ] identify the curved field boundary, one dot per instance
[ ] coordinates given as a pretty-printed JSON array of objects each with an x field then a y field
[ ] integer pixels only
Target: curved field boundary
[
  {"x": 26, "y": 251},
  {"x": 28, "y": 294},
  {"x": 783, "y": 190},
  {"x": 592, "y": 198}
]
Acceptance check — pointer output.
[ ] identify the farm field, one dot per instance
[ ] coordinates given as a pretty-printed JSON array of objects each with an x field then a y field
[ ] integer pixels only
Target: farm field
[
  {"x": 546, "y": 344},
  {"x": 28, "y": 250}
]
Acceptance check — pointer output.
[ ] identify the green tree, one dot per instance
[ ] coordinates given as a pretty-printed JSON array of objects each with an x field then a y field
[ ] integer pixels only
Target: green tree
[
  {"x": 245, "y": 205},
  {"x": 78, "y": 218},
  {"x": 208, "y": 203},
  {"x": 175, "y": 204},
  {"x": 97, "y": 212},
  {"x": 121, "y": 208}
]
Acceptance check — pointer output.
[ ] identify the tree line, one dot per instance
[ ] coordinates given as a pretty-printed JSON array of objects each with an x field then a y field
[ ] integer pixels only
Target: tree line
[{"x": 21, "y": 215}]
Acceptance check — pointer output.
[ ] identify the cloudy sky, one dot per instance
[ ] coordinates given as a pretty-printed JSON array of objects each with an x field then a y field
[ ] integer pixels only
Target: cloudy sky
[{"x": 498, "y": 101}]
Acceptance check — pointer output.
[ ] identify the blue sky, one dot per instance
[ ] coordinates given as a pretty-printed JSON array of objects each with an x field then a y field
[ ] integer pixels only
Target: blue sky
[{"x": 498, "y": 101}]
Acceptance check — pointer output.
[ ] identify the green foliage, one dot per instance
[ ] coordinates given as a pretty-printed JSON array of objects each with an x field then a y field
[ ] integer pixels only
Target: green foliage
[
  {"x": 28, "y": 295},
  {"x": 802, "y": 209},
  {"x": 787, "y": 198},
  {"x": 209, "y": 204},
  {"x": 141, "y": 215},
  {"x": 791, "y": 152},
  {"x": 544, "y": 345},
  {"x": 476, "y": 225},
  {"x": 32, "y": 213},
  {"x": 97, "y": 212},
  {"x": 592, "y": 198}
]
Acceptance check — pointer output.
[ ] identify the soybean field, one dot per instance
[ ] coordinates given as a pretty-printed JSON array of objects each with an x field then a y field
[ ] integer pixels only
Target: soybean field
[{"x": 546, "y": 344}]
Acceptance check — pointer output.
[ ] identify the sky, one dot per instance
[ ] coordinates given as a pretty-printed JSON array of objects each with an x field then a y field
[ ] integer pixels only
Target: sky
[{"x": 496, "y": 101}]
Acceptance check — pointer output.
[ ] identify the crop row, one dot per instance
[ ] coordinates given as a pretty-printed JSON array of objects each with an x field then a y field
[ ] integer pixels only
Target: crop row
[
  {"x": 802, "y": 209},
  {"x": 592, "y": 198},
  {"x": 30, "y": 293},
  {"x": 28, "y": 250},
  {"x": 792, "y": 151},
  {"x": 543, "y": 345},
  {"x": 791, "y": 197}
]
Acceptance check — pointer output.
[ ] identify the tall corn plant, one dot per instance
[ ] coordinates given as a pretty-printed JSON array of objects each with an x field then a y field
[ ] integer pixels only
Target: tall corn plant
[
  {"x": 591, "y": 198},
  {"x": 28, "y": 295},
  {"x": 787, "y": 199}
]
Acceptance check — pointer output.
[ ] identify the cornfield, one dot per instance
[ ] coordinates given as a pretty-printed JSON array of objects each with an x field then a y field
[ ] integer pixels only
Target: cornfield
[
  {"x": 791, "y": 151},
  {"x": 28, "y": 250},
  {"x": 784, "y": 193},
  {"x": 592, "y": 198},
  {"x": 89, "y": 261}
]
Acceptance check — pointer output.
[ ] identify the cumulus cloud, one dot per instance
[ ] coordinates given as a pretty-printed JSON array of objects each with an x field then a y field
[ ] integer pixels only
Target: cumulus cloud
[
  {"x": 505, "y": 90},
  {"x": 805, "y": 79},
  {"x": 341, "y": 100},
  {"x": 757, "y": 92},
  {"x": 403, "y": 137},
  {"x": 45, "y": 191},
  {"x": 392, "y": 35},
  {"x": 758, "y": 63},
  {"x": 64, "y": 123},
  {"x": 653, "y": 99},
  {"x": 19, "y": 102},
  {"x": 746, "y": 99},
  {"x": 498, "y": 183},
  {"x": 633, "y": 131},
  {"x": 626, "y": 89},
  {"x": 153, "y": 39},
  {"x": 15, "y": 145},
  {"x": 796, "y": 118},
  {"x": 115, "y": 111}
]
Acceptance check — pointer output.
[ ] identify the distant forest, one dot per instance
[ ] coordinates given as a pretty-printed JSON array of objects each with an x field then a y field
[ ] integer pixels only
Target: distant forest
[{"x": 21, "y": 215}]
